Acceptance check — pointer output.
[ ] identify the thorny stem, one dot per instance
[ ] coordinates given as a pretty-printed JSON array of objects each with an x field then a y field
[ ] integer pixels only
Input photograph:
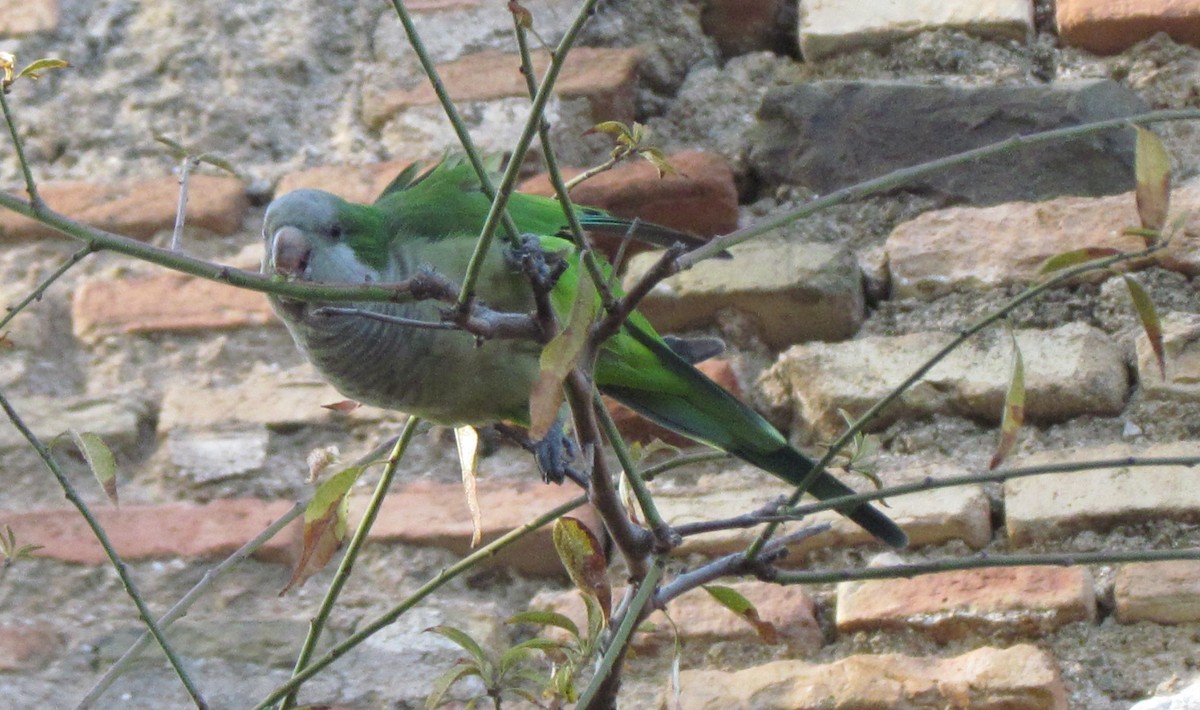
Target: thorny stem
[
  {"x": 1029, "y": 294},
  {"x": 428, "y": 588},
  {"x": 343, "y": 571},
  {"x": 117, "y": 563}
]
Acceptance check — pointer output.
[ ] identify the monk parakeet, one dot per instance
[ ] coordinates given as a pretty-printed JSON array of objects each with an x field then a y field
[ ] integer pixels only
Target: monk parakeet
[{"x": 432, "y": 220}]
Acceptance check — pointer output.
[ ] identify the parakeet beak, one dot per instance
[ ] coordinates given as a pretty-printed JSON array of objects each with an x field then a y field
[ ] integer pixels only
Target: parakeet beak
[{"x": 290, "y": 252}]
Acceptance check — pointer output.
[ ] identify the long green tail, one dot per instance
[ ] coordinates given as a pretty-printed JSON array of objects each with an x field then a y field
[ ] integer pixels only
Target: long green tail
[{"x": 706, "y": 412}]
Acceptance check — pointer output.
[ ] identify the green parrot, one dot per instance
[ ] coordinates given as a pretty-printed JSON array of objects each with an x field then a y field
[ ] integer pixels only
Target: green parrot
[{"x": 432, "y": 219}]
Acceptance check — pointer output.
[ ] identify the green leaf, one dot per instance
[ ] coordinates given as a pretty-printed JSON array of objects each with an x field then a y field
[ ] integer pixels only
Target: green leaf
[
  {"x": 545, "y": 618},
  {"x": 443, "y": 683},
  {"x": 463, "y": 640},
  {"x": 1151, "y": 324},
  {"x": 1152, "y": 169},
  {"x": 583, "y": 558},
  {"x": 1067, "y": 259},
  {"x": 33, "y": 69},
  {"x": 733, "y": 600},
  {"x": 99, "y": 459},
  {"x": 1014, "y": 407},
  {"x": 324, "y": 525}
]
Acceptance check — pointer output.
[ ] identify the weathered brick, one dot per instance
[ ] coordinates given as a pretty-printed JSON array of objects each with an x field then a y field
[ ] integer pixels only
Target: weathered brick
[
  {"x": 700, "y": 198},
  {"x": 28, "y": 16},
  {"x": 929, "y": 517},
  {"x": 169, "y": 302},
  {"x": 1107, "y": 27},
  {"x": 264, "y": 398},
  {"x": 1048, "y": 506},
  {"x": 1070, "y": 371},
  {"x": 635, "y": 427},
  {"x": 939, "y": 251},
  {"x": 830, "y": 27},
  {"x": 137, "y": 209},
  {"x": 987, "y": 678},
  {"x": 142, "y": 532},
  {"x": 792, "y": 292},
  {"x": 1029, "y": 601},
  {"x": 603, "y": 76},
  {"x": 1181, "y": 353},
  {"x": 1162, "y": 592},
  {"x": 28, "y": 646},
  {"x": 115, "y": 420},
  {"x": 445, "y": 520},
  {"x": 740, "y": 26},
  {"x": 700, "y": 619}
]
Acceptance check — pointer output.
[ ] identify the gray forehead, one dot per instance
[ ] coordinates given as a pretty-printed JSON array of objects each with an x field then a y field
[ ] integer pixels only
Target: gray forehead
[{"x": 301, "y": 207}]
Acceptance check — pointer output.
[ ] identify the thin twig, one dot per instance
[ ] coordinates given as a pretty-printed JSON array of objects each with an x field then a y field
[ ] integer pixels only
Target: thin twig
[
  {"x": 185, "y": 167},
  {"x": 185, "y": 602},
  {"x": 35, "y": 199},
  {"x": 37, "y": 293},
  {"x": 343, "y": 571},
  {"x": 117, "y": 563},
  {"x": 428, "y": 588},
  {"x": 662, "y": 531}
]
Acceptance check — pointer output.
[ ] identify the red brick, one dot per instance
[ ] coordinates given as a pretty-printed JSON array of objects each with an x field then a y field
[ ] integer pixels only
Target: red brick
[
  {"x": 26, "y": 17},
  {"x": 445, "y": 521},
  {"x": 1112, "y": 26},
  {"x": 740, "y": 26},
  {"x": 700, "y": 619},
  {"x": 356, "y": 183},
  {"x": 603, "y": 76},
  {"x": 216, "y": 203},
  {"x": 983, "y": 679},
  {"x": 701, "y": 199},
  {"x": 166, "y": 303},
  {"x": 1162, "y": 592},
  {"x": 951, "y": 605},
  {"x": 142, "y": 532},
  {"x": 635, "y": 427},
  {"x": 25, "y": 647}
]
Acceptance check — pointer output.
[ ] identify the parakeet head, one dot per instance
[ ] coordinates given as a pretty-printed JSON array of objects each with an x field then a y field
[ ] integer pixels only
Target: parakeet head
[{"x": 311, "y": 235}]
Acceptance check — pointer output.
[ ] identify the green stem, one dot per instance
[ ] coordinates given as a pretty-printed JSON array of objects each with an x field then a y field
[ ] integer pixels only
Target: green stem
[
  {"x": 35, "y": 199},
  {"x": 912, "y": 569},
  {"x": 428, "y": 588},
  {"x": 651, "y": 472},
  {"x": 343, "y": 571},
  {"x": 903, "y": 176},
  {"x": 1029, "y": 293},
  {"x": 536, "y": 110},
  {"x": 645, "y": 500},
  {"x": 37, "y": 293},
  {"x": 603, "y": 687},
  {"x": 98, "y": 530}
]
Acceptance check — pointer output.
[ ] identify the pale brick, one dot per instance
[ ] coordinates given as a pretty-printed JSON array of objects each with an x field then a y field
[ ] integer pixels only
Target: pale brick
[
  {"x": 939, "y": 251},
  {"x": 604, "y": 77},
  {"x": 700, "y": 198},
  {"x": 1046, "y": 507},
  {"x": 216, "y": 203},
  {"x": 1162, "y": 592},
  {"x": 701, "y": 620},
  {"x": 445, "y": 519},
  {"x": 987, "y": 678},
  {"x": 928, "y": 517},
  {"x": 265, "y": 398},
  {"x": 28, "y": 646},
  {"x": 207, "y": 456},
  {"x": 169, "y": 302},
  {"x": 793, "y": 292},
  {"x": 28, "y": 16},
  {"x": 1181, "y": 351},
  {"x": 115, "y": 420},
  {"x": 950, "y": 606},
  {"x": 830, "y": 27},
  {"x": 141, "y": 532},
  {"x": 1112, "y": 26},
  {"x": 1070, "y": 371}
]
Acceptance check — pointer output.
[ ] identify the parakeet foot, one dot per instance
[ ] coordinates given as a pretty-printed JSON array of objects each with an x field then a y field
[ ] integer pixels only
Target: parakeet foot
[
  {"x": 542, "y": 268},
  {"x": 553, "y": 454}
]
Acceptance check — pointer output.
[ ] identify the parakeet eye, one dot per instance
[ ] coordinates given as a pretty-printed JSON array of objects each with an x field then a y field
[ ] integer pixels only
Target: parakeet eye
[{"x": 336, "y": 232}]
